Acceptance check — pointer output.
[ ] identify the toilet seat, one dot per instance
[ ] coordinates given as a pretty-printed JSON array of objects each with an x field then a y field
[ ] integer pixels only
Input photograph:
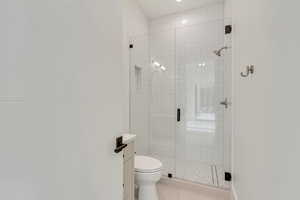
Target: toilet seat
[{"x": 145, "y": 164}]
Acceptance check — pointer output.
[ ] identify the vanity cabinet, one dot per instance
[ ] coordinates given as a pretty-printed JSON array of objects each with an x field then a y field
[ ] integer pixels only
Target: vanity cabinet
[{"x": 128, "y": 171}]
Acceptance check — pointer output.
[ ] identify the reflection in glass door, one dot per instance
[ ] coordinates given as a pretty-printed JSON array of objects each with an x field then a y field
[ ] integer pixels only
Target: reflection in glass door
[{"x": 199, "y": 91}]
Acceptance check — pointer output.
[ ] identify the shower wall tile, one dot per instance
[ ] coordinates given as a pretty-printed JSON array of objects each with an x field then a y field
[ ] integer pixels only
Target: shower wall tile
[
  {"x": 162, "y": 115},
  {"x": 162, "y": 43}
]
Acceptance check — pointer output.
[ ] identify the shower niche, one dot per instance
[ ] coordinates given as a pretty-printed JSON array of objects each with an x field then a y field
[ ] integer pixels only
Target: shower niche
[{"x": 138, "y": 78}]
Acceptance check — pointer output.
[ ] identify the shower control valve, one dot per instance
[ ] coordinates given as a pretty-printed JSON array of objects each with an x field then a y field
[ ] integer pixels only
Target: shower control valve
[{"x": 225, "y": 103}]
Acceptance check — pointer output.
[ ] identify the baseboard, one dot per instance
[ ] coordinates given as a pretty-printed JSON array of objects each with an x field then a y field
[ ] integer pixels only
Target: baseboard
[{"x": 233, "y": 193}]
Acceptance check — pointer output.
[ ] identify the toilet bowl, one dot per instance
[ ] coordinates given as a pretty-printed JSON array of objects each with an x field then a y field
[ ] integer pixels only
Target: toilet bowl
[{"x": 147, "y": 174}]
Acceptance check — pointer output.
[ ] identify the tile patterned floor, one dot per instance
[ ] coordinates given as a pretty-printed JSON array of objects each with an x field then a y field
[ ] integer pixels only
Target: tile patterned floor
[{"x": 180, "y": 190}]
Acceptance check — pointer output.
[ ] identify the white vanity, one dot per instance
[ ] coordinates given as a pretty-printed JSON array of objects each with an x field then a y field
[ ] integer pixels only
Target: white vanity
[{"x": 128, "y": 166}]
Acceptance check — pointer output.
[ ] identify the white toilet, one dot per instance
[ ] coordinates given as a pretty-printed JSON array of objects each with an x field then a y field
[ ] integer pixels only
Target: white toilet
[{"x": 147, "y": 174}]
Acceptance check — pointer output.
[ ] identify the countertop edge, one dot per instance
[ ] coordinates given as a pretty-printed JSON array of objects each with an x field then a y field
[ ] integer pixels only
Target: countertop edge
[{"x": 128, "y": 138}]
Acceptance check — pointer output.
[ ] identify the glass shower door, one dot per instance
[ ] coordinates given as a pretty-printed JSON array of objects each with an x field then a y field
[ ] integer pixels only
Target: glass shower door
[
  {"x": 199, "y": 91},
  {"x": 162, "y": 99}
]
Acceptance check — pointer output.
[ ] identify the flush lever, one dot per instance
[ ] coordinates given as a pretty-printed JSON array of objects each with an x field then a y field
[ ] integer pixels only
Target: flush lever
[{"x": 225, "y": 103}]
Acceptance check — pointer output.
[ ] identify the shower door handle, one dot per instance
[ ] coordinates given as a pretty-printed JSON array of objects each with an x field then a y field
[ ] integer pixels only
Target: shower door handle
[{"x": 178, "y": 114}]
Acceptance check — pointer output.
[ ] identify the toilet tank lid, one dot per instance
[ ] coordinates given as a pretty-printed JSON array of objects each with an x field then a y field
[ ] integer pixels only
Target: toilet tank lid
[{"x": 146, "y": 164}]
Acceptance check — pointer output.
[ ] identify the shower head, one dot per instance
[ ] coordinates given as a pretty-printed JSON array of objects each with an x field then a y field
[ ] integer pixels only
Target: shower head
[{"x": 219, "y": 51}]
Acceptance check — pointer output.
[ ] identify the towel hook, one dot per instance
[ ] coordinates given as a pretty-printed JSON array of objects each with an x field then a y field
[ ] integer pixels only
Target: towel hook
[{"x": 249, "y": 70}]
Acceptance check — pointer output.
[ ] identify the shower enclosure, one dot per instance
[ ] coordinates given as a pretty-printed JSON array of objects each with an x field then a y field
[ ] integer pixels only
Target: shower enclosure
[{"x": 177, "y": 84}]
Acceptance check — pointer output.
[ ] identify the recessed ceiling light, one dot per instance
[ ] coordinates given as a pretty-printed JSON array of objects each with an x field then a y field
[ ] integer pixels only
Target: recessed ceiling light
[{"x": 179, "y": 1}]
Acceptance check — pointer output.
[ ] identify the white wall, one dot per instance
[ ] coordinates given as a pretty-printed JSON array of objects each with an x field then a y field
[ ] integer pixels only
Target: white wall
[
  {"x": 266, "y": 138},
  {"x": 60, "y": 100},
  {"x": 135, "y": 30},
  {"x": 135, "y": 21},
  {"x": 227, "y": 8}
]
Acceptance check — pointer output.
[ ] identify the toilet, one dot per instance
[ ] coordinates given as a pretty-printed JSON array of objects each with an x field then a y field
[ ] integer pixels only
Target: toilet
[{"x": 147, "y": 174}]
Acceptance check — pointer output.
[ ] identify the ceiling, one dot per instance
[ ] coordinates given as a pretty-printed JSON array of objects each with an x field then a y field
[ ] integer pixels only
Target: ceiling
[{"x": 157, "y": 8}]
